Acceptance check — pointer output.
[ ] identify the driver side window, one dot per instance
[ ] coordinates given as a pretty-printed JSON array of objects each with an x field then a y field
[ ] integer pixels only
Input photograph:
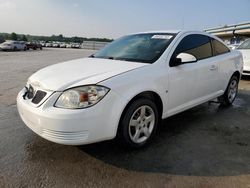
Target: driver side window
[{"x": 197, "y": 45}]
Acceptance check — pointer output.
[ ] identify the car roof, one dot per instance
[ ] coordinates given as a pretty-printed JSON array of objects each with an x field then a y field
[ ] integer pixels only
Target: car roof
[
  {"x": 160, "y": 31},
  {"x": 176, "y": 32}
]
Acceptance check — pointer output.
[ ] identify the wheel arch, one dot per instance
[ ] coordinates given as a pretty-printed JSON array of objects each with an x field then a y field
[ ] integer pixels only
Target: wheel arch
[
  {"x": 236, "y": 73},
  {"x": 153, "y": 96}
]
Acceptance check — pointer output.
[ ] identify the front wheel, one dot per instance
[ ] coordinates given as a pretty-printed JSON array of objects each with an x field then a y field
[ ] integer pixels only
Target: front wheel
[
  {"x": 231, "y": 92},
  {"x": 139, "y": 123}
]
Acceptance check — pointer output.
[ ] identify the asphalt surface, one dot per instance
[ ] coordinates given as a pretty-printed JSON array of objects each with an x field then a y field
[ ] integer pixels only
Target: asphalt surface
[{"x": 207, "y": 146}]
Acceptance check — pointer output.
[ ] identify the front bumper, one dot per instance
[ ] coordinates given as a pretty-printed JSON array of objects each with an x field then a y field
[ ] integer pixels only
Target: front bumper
[
  {"x": 72, "y": 127},
  {"x": 5, "y": 47},
  {"x": 246, "y": 69}
]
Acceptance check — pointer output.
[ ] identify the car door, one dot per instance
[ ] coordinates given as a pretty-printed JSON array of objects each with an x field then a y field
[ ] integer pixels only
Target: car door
[
  {"x": 16, "y": 45},
  {"x": 190, "y": 81},
  {"x": 221, "y": 55}
]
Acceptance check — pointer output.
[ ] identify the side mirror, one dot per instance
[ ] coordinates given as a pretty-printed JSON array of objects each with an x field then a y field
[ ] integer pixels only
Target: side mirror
[
  {"x": 186, "y": 58},
  {"x": 183, "y": 58}
]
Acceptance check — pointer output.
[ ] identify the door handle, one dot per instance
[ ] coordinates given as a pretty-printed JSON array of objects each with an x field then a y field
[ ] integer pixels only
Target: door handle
[{"x": 213, "y": 67}]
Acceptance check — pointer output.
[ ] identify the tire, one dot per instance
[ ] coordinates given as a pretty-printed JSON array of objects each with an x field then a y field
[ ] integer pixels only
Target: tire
[
  {"x": 134, "y": 129},
  {"x": 231, "y": 92},
  {"x": 14, "y": 49}
]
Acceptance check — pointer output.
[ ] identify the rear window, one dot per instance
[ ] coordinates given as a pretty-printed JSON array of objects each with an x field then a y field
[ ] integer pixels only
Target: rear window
[{"x": 218, "y": 47}]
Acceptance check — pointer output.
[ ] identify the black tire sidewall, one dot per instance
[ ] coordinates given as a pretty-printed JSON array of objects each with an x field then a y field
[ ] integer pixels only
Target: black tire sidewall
[{"x": 124, "y": 123}]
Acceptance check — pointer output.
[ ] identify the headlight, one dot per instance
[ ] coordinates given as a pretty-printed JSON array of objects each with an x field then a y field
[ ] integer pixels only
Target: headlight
[{"x": 81, "y": 97}]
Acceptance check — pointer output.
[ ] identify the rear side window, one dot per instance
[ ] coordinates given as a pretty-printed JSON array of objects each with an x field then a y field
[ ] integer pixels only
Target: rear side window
[
  {"x": 218, "y": 47},
  {"x": 196, "y": 45}
]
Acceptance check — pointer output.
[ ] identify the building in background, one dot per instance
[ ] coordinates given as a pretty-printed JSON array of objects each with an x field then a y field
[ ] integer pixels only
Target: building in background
[{"x": 232, "y": 34}]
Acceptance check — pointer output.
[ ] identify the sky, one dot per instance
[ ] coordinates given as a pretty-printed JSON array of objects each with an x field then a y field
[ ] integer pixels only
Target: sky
[{"x": 114, "y": 18}]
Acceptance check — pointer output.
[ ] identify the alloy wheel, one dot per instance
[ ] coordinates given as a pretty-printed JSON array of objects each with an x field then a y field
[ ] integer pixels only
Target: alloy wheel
[{"x": 141, "y": 124}]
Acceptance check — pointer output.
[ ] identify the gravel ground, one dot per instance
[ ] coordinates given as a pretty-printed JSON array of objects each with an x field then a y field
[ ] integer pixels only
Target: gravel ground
[{"x": 207, "y": 146}]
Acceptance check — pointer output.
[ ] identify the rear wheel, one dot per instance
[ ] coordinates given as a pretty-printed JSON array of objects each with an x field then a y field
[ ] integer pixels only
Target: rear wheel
[
  {"x": 231, "y": 92},
  {"x": 139, "y": 123}
]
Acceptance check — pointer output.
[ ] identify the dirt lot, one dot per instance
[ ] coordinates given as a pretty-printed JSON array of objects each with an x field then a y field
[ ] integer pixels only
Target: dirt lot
[{"x": 207, "y": 146}]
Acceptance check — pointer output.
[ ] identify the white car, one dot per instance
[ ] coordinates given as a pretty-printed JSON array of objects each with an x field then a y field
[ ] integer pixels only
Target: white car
[
  {"x": 68, "y": 46},
  {"x": 244, "y": 48},
  {"x": 56, "y": 45},
  {"x": 48, "y": 44},
  {"x": 233, "y": 46},
  {"x": 13, "y": 45},
  {"x": 126, "y": 88},
  {"x": 62, "y": 45}
]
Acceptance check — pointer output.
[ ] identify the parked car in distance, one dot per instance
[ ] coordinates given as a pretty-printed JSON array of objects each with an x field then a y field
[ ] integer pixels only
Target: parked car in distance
[
  {"x": 77, "y": 45},
  {"x": 233, "y": 46},
  {"x": 56, "y": 45},
  {"x": 68, "y": 46},
  {"x": 13, "y": 46},
  {"x": 48, "y": 44},
  {"x": 126, "y": 88},
  {"x": 43, "y": 44},
  {"x": 244, "y": 48},
  {"x": 62, "y": 45},
  {"x": 34, "y": 46}
]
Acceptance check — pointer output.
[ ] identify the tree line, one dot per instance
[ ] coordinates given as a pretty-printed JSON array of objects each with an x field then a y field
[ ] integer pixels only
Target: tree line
[{"x": 59, "y": 38}]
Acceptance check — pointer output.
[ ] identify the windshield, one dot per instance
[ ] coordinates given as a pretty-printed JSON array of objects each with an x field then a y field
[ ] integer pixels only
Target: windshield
[
  {"x": 245, "y": 45},
  {"x": 145, "y": 48}
]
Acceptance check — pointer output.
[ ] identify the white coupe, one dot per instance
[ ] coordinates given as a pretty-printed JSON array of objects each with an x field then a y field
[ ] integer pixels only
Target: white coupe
[{"x": 126, "y": 88}]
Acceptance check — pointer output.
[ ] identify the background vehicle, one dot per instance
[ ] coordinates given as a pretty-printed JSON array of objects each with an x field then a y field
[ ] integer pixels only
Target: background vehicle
[
  {"x": 13, "y": 45},
  {"x": 233, "y": 46},
  {"x": 126, "y": 88},
  {"x": 48, "y": 44},
  {"x": 56, "y": 45},
  {"x": 68, "y": 46},
  {"x": 34, "y": 46},
  {"x": 62, "y": 45},
  {"x": 244, "y": 48}
]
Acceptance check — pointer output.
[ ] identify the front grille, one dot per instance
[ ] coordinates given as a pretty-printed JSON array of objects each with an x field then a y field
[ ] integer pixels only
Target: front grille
[
  {"x": 38, "y": 96},
  {"x": 30, "y": 92}
]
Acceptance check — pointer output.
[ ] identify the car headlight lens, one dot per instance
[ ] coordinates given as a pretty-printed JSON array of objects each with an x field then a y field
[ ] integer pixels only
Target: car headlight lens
[{"x": 81, "y": 97}]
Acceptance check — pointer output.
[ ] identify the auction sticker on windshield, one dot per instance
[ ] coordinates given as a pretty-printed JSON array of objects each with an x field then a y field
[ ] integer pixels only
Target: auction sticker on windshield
[{"x": 166, "y": 37}]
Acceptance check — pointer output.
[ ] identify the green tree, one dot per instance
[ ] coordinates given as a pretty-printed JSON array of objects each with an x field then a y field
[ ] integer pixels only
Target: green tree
[
  {"x": 24, "y": 38},
  {"x": 13, "y": 36},
  {"x": 76, "y": 39},
  {"x": 60, "y": 38},
  {"x": 1, "y": 39}
]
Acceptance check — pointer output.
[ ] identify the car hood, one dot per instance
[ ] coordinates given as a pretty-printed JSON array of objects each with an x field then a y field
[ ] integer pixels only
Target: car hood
[{"x": 79, "y": 72}]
